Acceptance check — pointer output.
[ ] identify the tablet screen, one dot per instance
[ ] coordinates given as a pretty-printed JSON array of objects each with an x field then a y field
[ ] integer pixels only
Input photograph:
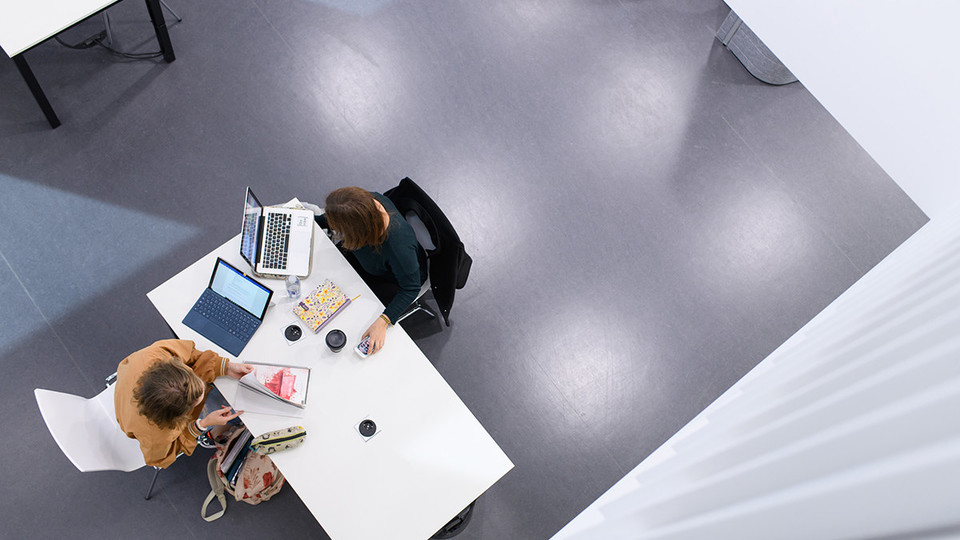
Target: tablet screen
[{"x": 243, "y": 291}]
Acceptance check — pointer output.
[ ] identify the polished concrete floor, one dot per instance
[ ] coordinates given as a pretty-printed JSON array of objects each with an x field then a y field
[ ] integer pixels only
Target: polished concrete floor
[{"x": 647, "y": 223}]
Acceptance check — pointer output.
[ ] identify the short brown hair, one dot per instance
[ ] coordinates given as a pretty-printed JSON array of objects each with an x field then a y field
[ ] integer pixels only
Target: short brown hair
[
  {"x": 352, "y": 212},
  {"x": 167, "y": 391}
]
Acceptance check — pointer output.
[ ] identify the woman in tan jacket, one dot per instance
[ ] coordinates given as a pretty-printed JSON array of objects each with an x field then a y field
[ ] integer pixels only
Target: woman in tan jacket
[{"x": 160, "y": 392}]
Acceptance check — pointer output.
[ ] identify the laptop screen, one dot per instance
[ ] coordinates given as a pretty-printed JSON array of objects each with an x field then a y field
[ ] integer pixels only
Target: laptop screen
[
  {"x": 243, "y": 291},
  {"x": 251, "y": 224}
]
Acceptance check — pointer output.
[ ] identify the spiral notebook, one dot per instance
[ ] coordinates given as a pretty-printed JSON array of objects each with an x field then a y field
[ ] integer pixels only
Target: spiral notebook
[{"x": 321, "y": 305}]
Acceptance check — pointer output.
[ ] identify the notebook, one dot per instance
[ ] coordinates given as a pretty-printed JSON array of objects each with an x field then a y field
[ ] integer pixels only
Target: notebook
[
  {"x": 276, "y": 241},
  {"x": 321, "y": 305},
  {"x": 230, "y": 309},
  {"x": 274, "y": 389}
]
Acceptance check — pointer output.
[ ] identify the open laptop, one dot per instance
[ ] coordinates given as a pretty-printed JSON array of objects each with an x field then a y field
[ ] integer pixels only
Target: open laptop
[
  {"x": 276, "y": 241},
  {"x": 230, "y": 309}
]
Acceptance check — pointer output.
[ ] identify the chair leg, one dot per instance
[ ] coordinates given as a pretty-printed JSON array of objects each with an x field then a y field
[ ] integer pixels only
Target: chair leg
[
  {"x": 108, "y": 28},
  {"x": 426, "y": 309},
  {"x": 152, "y": 483},
  {"x": 174, "y": 13},
  {"x": 415, "y": 307}
]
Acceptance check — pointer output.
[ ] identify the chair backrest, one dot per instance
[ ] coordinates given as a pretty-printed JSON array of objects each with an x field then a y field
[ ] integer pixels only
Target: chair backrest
[
  {"x": 424, "y": 238},
  {"x": 87, "y": 431}
]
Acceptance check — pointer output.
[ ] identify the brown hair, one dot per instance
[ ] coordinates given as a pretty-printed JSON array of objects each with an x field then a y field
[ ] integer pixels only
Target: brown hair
[
  {"x": 352, "y": 212},
  {"x": 167, "y": 391}
]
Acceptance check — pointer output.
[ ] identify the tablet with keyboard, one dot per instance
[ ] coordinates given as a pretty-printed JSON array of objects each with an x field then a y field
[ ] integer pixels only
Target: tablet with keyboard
[{"x": 230, "y": 309}]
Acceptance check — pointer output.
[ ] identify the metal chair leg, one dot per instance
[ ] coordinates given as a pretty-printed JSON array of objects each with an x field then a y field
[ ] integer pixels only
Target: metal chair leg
[
  {"x": 108, "y": 27},
  {"x": 415, "y": 307},
  {"x": 152, "y": 483},
  {"x": 172, "y": 12}
]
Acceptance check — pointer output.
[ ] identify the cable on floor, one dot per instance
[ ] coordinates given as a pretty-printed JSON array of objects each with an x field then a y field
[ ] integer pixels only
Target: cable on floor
[{"x": 97, "y": 40}]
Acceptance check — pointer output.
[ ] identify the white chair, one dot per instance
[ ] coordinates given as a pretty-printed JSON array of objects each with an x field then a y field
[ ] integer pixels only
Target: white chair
[{"x": 87, "y": 432}]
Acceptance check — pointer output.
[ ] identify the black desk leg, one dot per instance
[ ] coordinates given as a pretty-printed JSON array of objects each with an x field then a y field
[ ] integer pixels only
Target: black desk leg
[
  {"x": 38, "y": 94},
  {"x": 160, "y": 26}
]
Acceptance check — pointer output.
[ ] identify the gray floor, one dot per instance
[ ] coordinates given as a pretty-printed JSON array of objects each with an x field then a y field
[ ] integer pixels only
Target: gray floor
[{"x": 647, "y": 223}]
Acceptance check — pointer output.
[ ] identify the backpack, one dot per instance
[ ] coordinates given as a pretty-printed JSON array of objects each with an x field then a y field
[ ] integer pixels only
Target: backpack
[{"x": 258, "y": 478}]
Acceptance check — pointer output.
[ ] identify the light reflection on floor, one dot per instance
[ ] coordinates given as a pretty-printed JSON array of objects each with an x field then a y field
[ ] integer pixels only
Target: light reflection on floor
[
  {"x": 357, "y": 7},
  {"x": 35, "y": 225}
]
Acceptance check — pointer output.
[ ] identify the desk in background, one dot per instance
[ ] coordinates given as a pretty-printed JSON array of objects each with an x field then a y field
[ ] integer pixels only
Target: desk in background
[
  {"x": 432, "y": 457},
  {"x": 25, "y": 24}
]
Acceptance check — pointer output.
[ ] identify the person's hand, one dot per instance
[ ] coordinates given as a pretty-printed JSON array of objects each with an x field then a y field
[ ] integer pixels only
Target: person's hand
[
  {"x": 219, "y": 418},
  {"x": 377, "y": 333},
  {"x": 238, "y": 370}
]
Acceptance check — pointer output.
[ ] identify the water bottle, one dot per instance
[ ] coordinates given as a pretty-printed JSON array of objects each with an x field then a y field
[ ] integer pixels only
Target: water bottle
[{"x": 293, "y": 286}]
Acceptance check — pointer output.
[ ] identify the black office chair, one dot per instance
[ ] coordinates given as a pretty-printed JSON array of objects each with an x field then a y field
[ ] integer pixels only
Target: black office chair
[{"x": 448, "y": 265}]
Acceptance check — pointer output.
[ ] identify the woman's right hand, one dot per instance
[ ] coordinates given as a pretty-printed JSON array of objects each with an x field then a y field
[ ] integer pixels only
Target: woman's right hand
[{"x": 377, "y": 333}]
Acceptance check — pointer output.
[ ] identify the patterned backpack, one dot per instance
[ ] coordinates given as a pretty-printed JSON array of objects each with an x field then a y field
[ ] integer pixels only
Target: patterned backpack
[{"x": 257, "y": 480}]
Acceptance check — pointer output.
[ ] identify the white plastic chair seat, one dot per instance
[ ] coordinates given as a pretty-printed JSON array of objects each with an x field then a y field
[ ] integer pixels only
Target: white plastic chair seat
[{"x": 87, "y": 431}]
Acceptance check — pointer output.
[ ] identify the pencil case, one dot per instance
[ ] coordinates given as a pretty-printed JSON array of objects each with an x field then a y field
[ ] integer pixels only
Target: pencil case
[{"x": 281, "y": 439}]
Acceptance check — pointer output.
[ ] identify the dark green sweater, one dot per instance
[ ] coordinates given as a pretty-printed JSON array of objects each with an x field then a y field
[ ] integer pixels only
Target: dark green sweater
[{"x": 396, "y": 260}]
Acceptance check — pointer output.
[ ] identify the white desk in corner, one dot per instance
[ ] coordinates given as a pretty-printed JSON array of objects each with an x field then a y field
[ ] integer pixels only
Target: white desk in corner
[{"x": 430, "y": 458}]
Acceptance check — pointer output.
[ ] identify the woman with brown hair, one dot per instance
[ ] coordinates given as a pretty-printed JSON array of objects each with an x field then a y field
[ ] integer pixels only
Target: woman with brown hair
[
  {"x": 160, "y": 394},
  {"x": 382, "y": 247}
]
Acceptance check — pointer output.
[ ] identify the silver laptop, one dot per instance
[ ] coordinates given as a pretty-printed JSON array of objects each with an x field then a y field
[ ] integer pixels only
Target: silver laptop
[{"x": 277, "y": 242}]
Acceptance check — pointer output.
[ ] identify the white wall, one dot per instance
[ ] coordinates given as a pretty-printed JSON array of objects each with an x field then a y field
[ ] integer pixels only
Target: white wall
[{"x": 888, "y": 71}]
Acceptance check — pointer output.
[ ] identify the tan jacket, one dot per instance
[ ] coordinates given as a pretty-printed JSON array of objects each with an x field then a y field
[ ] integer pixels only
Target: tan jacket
[{"x": 160, "y": 447}]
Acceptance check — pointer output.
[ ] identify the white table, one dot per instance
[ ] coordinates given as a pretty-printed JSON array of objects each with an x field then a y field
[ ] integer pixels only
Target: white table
[
  {"x": 27, "y": 23},
  {"x": 432, "y": 457}
]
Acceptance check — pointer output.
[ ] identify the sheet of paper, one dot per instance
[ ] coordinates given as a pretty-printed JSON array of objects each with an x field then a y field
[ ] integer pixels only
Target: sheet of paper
[{"x": 252, "y": 401}]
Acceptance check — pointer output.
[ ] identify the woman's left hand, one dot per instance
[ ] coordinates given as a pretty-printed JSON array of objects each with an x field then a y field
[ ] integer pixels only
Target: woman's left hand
[
  {"x": 377, "y": 333},
  {"x": 236, "y": 370}
]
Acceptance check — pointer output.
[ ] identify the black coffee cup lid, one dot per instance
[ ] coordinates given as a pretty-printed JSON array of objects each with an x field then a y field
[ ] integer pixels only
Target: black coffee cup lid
[{"x": 336, "y": 338}]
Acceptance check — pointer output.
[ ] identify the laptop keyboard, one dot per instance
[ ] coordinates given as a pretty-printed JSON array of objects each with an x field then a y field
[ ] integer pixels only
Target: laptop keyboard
[
  {"x": 276, "y": 239},
  {"x": 226, "y": 314}
]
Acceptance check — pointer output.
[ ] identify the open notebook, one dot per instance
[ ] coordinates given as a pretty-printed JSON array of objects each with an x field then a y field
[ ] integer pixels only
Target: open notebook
[{"x": 274, "y": 389}]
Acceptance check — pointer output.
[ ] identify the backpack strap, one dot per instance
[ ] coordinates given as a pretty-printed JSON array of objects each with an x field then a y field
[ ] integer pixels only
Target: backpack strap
[{"x": 216, "y": 490}]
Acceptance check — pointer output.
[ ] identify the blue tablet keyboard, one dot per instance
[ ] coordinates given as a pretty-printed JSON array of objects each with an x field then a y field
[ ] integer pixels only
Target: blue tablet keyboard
[{"x": 226, "y": 314}]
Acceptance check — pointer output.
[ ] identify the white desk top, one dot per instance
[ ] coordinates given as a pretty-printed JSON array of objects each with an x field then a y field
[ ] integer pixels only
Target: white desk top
[
  {"x": 432, "y": 457},
  {"x": 25, "y": 23}
]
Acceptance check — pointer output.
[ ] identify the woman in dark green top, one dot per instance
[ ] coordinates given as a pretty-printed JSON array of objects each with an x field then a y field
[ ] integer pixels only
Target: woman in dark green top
[{"x": 384, "y": 249}]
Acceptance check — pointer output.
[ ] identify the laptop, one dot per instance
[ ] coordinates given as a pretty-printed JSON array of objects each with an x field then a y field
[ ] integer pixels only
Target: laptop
[
  {"x": 276, "y": 241},
  {"x": 230, "y": 309}
]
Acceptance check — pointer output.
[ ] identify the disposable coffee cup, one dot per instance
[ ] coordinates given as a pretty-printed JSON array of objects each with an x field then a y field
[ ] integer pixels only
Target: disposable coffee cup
[{"x": 336, "y": 339}]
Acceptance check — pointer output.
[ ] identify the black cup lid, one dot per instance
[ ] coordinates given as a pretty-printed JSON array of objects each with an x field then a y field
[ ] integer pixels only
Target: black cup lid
[{"x": 336, "y": 339}]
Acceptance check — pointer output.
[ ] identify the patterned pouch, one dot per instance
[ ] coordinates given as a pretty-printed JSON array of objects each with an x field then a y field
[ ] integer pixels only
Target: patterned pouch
[{"x": 281, "y": 439}]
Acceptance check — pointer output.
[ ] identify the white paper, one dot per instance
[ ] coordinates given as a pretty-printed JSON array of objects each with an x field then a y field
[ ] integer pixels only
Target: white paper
[{"x": 252, "y": 401}]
